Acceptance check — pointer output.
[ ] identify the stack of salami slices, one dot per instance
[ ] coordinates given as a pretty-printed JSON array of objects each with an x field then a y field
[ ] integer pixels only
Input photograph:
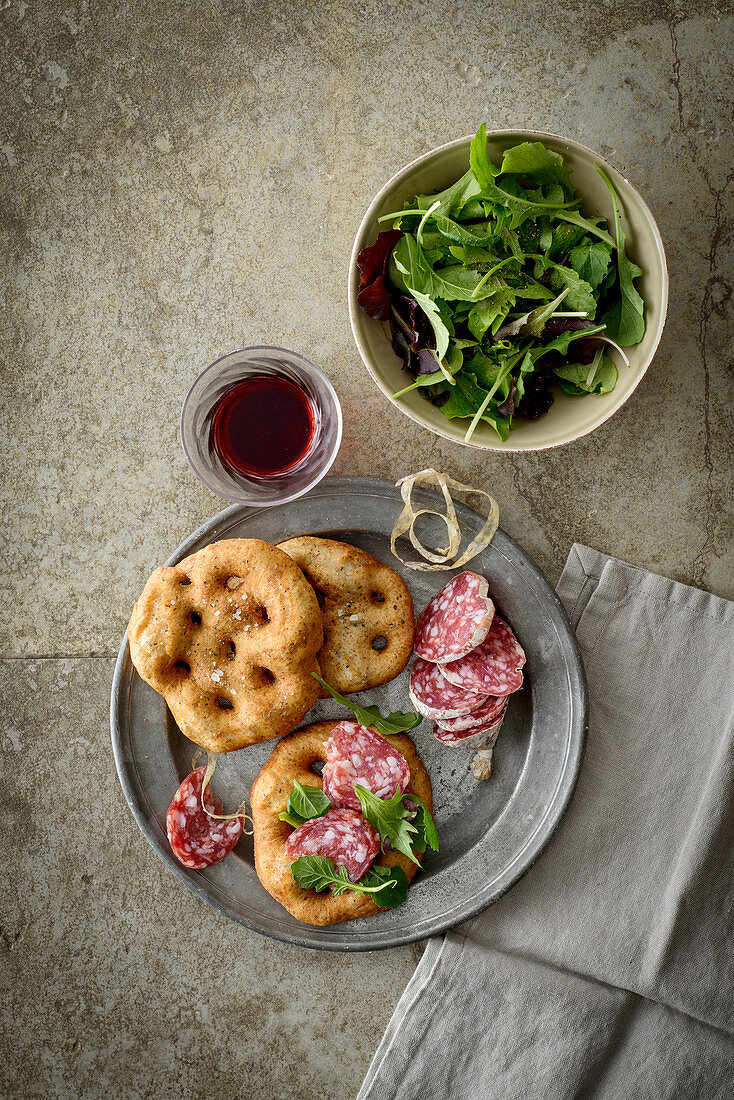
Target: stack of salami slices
[{"x": 469, "y": 663}]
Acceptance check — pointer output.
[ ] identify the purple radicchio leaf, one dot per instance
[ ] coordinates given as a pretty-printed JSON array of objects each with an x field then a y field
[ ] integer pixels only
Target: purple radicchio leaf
[
  {"x": 427, "y": 362},
  {"x": 507, "y": 407},
  {"x": 580, "y": 351},
  {"x": 556, "y": 325},
  {"x": 401, "y": 345},
  {"x": 538, "y": 396},
  {"x": 420, "y": 332},
  {"x": 374, "y": 296}
]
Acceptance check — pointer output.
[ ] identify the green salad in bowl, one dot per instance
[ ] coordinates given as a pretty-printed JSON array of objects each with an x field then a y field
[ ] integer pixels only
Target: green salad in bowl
[{"x": 502, "y": 288}]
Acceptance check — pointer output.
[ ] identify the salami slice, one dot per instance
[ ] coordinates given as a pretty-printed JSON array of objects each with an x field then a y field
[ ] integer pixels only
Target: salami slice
[
  {"x": 456, "y": 620},
  {"x": 435, "y": 697},
  {"x": 355, "y": 754},
  {"x": 493, "y": 667},
  {"x": 196, "y": 839},
  {"x": 483, "y": 737},
  {"x": 342, "y": 835},
  {"x": 489, "y": 712}
]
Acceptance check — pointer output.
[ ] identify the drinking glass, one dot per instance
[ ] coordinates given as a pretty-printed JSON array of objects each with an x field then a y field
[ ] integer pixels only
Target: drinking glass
[{"x": 208, "y": 389}]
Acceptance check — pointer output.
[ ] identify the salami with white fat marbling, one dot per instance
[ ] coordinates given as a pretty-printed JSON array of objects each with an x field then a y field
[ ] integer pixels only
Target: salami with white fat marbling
[
  {"x": 493, "y": 667},
  {"x": 434, "y": 697},
  {"x": 489, "y": 712},
  {"x": 354, "y": 754},
  {"x": 478, "y": 738},
  {"x": 196, "y": 839},
  {"x": 342, "y": 835},
  {"x": 456, "y": 620}
]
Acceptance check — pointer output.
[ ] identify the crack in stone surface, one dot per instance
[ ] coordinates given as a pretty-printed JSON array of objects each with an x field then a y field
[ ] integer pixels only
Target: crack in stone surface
[
  {"x": 720, "y": 232},
  {"x": 707, "y": 307}
]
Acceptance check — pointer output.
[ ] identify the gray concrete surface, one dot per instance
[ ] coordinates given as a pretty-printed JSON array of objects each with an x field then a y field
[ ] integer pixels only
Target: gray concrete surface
[{"x": 178, "y": 179}]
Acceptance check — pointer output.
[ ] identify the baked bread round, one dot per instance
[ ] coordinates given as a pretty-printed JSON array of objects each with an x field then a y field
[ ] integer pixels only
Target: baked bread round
[
  {"x": 229, "y": 638},
  {"x": 292, "y": 758},
  {"x": 366, "y": 608}
]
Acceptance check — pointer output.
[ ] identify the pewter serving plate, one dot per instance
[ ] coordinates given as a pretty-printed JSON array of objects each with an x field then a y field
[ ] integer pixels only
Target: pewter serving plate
[{"x": 491, "y": 832}]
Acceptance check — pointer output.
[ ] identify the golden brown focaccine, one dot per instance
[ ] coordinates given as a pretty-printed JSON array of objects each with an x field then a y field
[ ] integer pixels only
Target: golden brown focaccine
[
  {"x": 367, "y": 612},
  {"x": 292, "y": 759},
  {"x": 229, "y": 637}
]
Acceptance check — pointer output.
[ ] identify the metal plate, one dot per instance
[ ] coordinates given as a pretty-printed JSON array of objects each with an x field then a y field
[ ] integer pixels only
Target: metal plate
[{"x": 491, "y": 832}]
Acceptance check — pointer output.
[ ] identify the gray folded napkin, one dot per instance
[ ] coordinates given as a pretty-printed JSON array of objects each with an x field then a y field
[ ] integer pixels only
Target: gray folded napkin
[{"x": 608, "y": 970}]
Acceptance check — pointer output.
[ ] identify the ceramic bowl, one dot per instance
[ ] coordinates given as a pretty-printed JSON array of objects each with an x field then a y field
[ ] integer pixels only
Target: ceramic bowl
[{"x": 569, "y": 418}]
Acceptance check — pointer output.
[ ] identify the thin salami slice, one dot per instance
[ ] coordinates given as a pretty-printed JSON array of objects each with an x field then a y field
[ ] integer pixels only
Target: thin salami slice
[
  {"x": 489, "y": 712},
  {"x": 456, "y": 620},
  {"x": 481, "y": 738},
  {"x": 493, "y": 667},
  {"x": 435, "y": 697},
  {"x": 355, "y": 754},
  {"x": 341, "y": 835},
  {"x": 196, "y": 839}
]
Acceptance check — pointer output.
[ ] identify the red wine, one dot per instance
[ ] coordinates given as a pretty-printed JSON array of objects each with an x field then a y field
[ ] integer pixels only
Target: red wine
[{"x": 262, "y": 426}]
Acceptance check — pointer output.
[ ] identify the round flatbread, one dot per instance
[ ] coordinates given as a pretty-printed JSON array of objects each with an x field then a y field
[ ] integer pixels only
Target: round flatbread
[
  {"x": 293, "y": 758},
  {"x": 229, "y": 638},
  {"x": 367, "y": 612}
]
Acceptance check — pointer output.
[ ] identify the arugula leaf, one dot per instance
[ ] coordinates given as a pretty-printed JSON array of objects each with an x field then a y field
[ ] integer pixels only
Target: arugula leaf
[
  {"x": 292, "y": 819},
  {"x": 493, "y": 369},
  {"x": 389, "y": 817},
  {"x": 604, "y": 378},
  {"x": 388, "y": 884},
  {"x": 408, "y": 257},
  {"x": 449, "y": 201},
  {"x": 490, "y": 310},
  {"x": 608, "y": 282},
  {"x": 307, "y": 801},
  {"x": 393, "y": 882},
  {"x": 481, "y": 166},
  {"x": 304, "y": 803},
  {"x": 462, "y": 234},
  {"x": 590, "y": 260},
  {"x": 531, "y": 290},
  {"x": 453, "y": 198},
  {"x": 531, "y": 158},
  {"x": 472, "y": 256},
  {"x": 575, "y": 218},
  {"x": 561, "y": 342},
  {"x": 563, "y": 238},
  {"x": 527, "y": 366},
  {"x": 625, "y": 321},
  {"x": 580, "y": 295},
  {"x": 466, "y": 397},
  {"x": 397, "y": 722},
  {"x": 501, "y": 379},
  {"x": 571, "y": 389},
  {"x": 486, "y": 173},
  {"x": 534, "y": 322},
  {"x": 456, "y": 283},
  {"x": 426, "y": 831}
]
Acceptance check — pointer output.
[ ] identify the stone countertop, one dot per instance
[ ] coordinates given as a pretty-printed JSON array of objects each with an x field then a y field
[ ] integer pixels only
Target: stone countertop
[{"x": 182, "y": 179}]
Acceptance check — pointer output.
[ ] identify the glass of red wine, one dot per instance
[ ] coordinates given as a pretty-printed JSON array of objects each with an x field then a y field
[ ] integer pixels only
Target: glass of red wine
[{"x": 261, "y": 426}]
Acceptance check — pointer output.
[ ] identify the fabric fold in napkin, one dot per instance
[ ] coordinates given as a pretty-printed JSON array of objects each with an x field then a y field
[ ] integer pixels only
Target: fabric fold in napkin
[{"x": 608, "y": 970}]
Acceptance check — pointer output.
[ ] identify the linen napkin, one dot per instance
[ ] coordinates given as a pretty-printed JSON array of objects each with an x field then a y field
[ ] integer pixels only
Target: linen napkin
[{"x": 608, "y": 970}]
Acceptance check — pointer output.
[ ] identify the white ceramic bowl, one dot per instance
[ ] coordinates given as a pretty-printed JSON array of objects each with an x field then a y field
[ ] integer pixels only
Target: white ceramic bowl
[{"x": 569, "y": 417}]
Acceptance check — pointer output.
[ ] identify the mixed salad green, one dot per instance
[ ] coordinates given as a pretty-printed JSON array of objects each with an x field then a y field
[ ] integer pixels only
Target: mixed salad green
[{"x": 499, "y": 288}]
